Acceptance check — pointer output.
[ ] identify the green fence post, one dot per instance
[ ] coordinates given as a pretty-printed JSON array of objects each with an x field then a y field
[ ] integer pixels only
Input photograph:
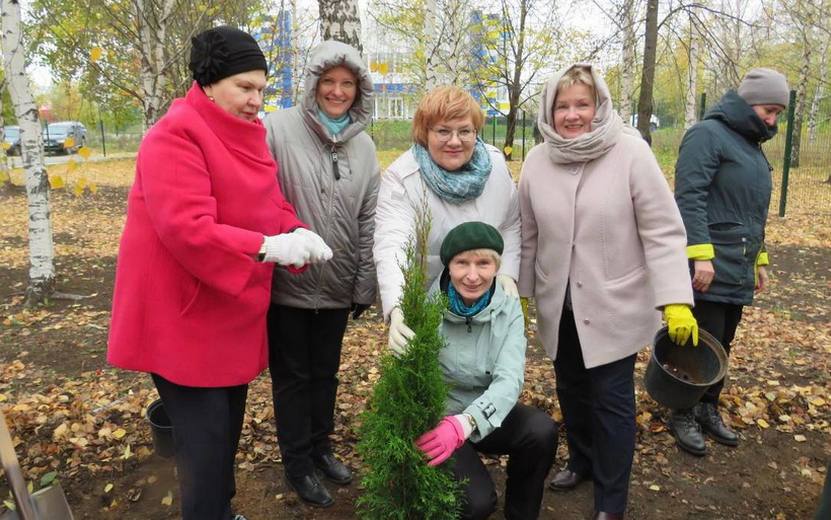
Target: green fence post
[
  {"x": 493, "y": 132},
  {"x": 703, "y": 106},
  {"x": 786, "y": 165}
]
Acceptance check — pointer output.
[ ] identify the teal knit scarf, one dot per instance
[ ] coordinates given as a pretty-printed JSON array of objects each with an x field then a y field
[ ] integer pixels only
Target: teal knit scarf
[
  {"x": 460, "y": 185},
  {"x": 335, "y": 126},
  {"x": 457, "y": 305}
]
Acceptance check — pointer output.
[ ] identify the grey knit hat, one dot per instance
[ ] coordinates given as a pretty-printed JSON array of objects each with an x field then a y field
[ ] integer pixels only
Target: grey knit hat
[{"x": 764, "y": 87}]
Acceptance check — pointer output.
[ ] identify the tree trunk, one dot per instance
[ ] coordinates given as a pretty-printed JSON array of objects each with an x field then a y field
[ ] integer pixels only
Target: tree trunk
[
  {"x": 690, "y": 115},
  {"x": 801, "y": 94},
  {"x": 41, "y": 249},
  {"x": 514, "y": 90},
  {"x": 431, "y": 46},
  {"x": 152, "y": 35},
  {"x": 648, "y": 73},
  {"x": 819, "y": 92},
  {"x": 340, "y": 21},
  {"x": 627, "y": 73},
  {"x": 5, "y": 179}
]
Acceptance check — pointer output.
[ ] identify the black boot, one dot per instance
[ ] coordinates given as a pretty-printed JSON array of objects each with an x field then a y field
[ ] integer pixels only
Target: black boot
[
  {"x": 710, "y": 420},
  {"x": 332, "y": 468},
  {"x": 687, "y": 432},
  {"x": 311, "y": 490}
]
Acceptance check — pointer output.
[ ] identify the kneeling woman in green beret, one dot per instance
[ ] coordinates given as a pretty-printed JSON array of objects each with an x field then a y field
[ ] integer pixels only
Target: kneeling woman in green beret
[{"x": 484, "y": 365}]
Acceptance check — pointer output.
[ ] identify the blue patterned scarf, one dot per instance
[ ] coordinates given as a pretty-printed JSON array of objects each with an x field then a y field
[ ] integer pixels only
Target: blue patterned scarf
[
  {"x": 457, "y": 305},
  {"x": 460, "y": 185}
]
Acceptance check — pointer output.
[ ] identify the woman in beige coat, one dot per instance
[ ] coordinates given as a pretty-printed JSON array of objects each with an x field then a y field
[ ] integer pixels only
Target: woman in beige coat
[{"x": 603, "y": 249}]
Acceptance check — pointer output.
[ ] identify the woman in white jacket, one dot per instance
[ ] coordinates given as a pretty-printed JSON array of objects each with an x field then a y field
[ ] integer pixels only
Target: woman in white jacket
[{"x": 459, "y": 178}]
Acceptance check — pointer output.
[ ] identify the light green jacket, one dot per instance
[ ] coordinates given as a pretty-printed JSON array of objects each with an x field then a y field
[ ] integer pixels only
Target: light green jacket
[{"x": 484, "y": 362}]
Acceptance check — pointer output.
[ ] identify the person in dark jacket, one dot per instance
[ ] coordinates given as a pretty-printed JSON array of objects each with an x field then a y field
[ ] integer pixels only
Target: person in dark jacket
[
  {"x": 331, "y": 175},
  {"x": 722, "y": 187}
]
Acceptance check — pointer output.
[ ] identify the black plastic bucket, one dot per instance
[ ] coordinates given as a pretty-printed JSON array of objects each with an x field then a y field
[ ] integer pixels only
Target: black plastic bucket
[
  {"x": 162, "y": 429},
  {"x": 677, "y": 376}
]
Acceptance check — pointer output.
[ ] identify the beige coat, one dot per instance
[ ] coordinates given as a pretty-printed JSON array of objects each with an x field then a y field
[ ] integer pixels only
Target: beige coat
[{"x": 611, "y": 226}]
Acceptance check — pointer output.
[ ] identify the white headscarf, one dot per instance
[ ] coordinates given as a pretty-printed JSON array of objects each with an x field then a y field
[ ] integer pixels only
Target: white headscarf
[{"x": 606, "y": 126}]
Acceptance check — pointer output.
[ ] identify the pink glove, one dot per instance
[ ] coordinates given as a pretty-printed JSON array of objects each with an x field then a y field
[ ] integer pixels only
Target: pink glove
[{"x": 440, "y": 442}]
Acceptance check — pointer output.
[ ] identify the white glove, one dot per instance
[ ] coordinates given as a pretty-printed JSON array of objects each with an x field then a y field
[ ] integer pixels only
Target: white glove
[
  {"x": 400, "y": 334},
  {"x": 508, "y": 285},
  {"x": 286, "y": 249},
  {"x": 319, "y": 252}
]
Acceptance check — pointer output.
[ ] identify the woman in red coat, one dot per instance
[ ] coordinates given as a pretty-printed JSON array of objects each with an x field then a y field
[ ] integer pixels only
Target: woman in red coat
[{"x": 206, "y": 221}]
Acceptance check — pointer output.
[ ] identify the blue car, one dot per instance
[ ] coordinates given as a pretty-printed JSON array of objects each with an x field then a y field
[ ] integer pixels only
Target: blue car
[
  {"x": 11, "y": 140},
  {"x": 55, "y": 137}
]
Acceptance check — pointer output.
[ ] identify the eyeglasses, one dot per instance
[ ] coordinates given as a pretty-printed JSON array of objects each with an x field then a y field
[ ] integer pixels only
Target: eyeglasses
[{"x": 464, "y": 134}]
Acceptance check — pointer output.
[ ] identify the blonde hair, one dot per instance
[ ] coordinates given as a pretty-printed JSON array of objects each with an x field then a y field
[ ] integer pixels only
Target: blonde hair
[
  {"x": 483, "y": 252},
  {"x": 577, "y": 75},
  {"x": 444, "y": 104}
]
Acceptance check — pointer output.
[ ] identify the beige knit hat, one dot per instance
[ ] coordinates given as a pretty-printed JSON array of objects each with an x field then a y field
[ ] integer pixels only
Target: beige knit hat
[{"x": 764, "y": 87}]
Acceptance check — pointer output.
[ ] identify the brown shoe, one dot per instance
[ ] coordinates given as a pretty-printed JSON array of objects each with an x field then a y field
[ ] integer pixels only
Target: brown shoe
[{"x": 565, "y": 480}]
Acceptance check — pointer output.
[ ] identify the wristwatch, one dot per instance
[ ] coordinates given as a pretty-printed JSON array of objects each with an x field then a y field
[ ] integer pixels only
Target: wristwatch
[{"x": 471, "y": 420}]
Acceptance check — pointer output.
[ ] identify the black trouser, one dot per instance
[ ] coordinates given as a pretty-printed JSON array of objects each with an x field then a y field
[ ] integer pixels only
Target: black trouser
[
  {"x": 721, "y": 321},
  {"x": 598, "y": 407},
  {"x": 529, "y": 437},
  {"x": 207, "y": 423},
  {"x": 304, "y": 356}
]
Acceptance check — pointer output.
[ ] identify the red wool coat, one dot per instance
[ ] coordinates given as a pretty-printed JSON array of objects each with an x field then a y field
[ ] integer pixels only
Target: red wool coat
[{"x": 190, "y": 300}]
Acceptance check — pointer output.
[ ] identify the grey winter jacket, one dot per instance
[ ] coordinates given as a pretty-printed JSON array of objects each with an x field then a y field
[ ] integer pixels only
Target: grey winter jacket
[
  {"x": 722, "y": 187},
  {"x": 332, "y": 181},
  {"x": 484, "y": 360}
]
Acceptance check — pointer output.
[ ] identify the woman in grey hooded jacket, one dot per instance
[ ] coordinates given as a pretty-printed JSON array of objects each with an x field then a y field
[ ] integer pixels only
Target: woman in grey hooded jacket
[{"x": 329, "y": 172}]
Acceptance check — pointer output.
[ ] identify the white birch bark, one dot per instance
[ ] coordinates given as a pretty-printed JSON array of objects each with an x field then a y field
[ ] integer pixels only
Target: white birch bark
[
  {"x": 630, "y": 40},
  {"x": 819, "y": 92},
  {"x": 341, "y": 21},
  {"x": 431, "y": 44},
  {"x": 152, "y": 33},
  {"x": 41, "y": 249}
]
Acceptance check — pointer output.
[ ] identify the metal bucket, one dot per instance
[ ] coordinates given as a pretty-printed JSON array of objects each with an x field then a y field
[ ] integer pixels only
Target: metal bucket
[
  {"x": 677, "y": 376},
  {"x": 162, "y": 429}
]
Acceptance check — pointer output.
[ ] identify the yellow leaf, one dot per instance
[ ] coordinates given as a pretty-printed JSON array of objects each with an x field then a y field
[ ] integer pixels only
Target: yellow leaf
[
  {"x": 9, "y": 505},
  {"x": 269, "y": 108},
  {"x": 508, "y": 150},
  {"x": 6, "y": 145},
  {"x": 762, "y": 423},
  {"x": 78, "y": 190},
  {"x": 119, "y": 433},
  {"x": 69, "y": 142},
  {"x": 818, "y": 401},
  {"x": 92, "y": 188},
  {"x": 84, "y": 152},
  {"x": 95, "y": 54},
  {"x": 56, "y": 182},
  {"x": 168, "y": 499},
  {"x": 108, "y": 488},
  {"x": 127, "y": 453},
  {"x": 654, "y": 487}
]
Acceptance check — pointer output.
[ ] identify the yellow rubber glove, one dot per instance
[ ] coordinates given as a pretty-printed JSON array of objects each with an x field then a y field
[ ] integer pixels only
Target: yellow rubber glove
[{"x": 681, "y": 324}]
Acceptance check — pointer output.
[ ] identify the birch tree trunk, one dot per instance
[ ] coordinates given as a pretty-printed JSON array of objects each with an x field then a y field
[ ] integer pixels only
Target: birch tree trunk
[
  {"x": 690, "y": 116},
  {"x": 41, "y": 250},
  {"x": 431, "y": 46},
  {"x": 630, "y": 39},
  {"x": 152, "y": 35},
  {"x": 341, "y": 21},
  {"x": 5, "y": 180},
  {"x": 801, "y": 94},
  {"x": 819, "y": 92}
]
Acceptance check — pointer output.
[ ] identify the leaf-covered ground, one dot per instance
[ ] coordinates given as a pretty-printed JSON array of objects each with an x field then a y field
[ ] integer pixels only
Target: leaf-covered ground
[{"x": 76, "y": 419}]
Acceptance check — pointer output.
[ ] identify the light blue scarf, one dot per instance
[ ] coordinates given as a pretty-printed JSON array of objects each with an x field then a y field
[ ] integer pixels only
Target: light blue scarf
[
  {"x": 457, "y": 305},
  {"x": 335, "y": 126},
  {"x": 460, "y": 185}
]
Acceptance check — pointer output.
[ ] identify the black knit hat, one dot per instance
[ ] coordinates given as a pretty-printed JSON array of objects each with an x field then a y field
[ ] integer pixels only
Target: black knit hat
[
  {"x": 468, "y": 236},
  {"x": 224, "y": 51}
]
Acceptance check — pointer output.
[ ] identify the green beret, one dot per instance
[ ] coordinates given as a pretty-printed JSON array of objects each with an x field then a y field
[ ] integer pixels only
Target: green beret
[{"x": 469, "y": 236}]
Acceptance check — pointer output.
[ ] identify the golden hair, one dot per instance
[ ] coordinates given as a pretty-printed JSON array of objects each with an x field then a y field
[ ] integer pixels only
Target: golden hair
[
  {"x": 577, "y": 75},
  {"x": 444, "y": 104}
]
